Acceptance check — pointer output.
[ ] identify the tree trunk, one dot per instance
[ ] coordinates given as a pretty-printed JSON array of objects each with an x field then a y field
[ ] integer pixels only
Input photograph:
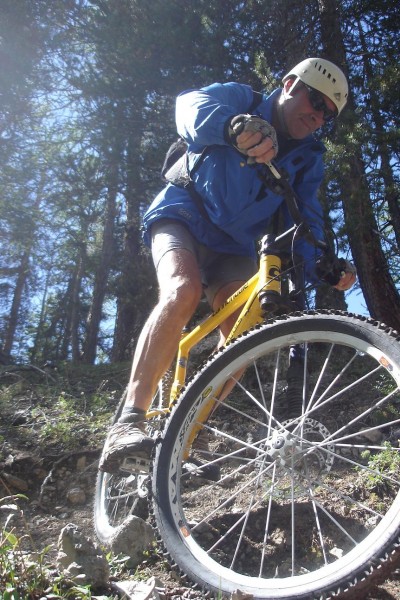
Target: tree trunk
[
  {"x": 390, "y": 192},
  {"x": 38, "y": 338},
  {"x": 326, "y": 296},
  {"x": 70, "y": 340},
  {"x": 12, "y": 321},
  {"x": 75, "y": 305},
  {"x": 135, "y": 297},
  {"x": 103, "y": 269},
  {"x": 23, "y": 273},
  {"x": 379, "y": 291}
]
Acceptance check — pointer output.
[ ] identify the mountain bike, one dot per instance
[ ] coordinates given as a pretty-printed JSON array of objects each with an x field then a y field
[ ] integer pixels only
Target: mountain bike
[{"x": 306, "y": 503}]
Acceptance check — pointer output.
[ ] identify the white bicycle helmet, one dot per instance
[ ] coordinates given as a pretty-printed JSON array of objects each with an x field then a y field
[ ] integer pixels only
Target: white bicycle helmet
[{"x": 324, "y": 76}]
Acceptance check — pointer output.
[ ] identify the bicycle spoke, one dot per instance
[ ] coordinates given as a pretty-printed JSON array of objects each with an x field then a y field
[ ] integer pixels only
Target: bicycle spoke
[{"x": 298, "y": 490}]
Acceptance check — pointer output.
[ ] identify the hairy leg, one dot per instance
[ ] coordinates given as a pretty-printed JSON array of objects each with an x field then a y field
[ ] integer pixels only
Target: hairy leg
[
  {"x": 220, "y": 297},
  {"x": 180, "y": 291}
]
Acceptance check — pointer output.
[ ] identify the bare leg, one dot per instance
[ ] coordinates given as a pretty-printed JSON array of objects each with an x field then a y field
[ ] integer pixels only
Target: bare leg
[
  {"x": 220, "y": 297},
  {"x": 225, "y": 329},
  {"x": 180, "y": 291},
  {"x": 128, "y": 446}
]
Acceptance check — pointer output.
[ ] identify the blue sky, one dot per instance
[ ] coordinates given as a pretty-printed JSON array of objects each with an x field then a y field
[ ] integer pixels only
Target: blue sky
[{"x": 356, "y": 303}]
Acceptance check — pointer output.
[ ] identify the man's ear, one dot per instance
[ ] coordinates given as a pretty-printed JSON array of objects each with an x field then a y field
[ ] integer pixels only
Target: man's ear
[{"x": 287, "y": 85}]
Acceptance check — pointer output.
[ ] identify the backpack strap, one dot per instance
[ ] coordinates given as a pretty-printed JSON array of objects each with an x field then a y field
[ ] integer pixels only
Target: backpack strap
[{"x": 257, "y": 99}]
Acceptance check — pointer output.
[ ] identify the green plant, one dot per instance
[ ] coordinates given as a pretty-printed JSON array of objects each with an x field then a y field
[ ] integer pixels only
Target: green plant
[
  {"x": 24, "y": 574},
  {"x": 381, "y": 467},
  {"x": 117, "y": 563},
  {"x": 19, "y": 573}
]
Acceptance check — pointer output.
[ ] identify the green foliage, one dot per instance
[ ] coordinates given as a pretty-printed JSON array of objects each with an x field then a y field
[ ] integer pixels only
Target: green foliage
[
  {"x": 381, "y": 467},
  {"x": 24, "y": 574}
]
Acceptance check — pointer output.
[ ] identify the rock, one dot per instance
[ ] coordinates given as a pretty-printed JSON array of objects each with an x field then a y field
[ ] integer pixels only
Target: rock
[
  {"x": 15, "y": 482},
  {"x": 20, "y": 418},
  {"x": 394, "y": 438},
  {"x": 131, "y": 539},
  {"x": 76, "y": 496},
  {"x": 138, "y": 590},
  {"x": 81, "y": 463},
  {"x": 372, "y": 436},
  {"x": 239, "y": 595},
  {"x": 80, "y": 559}
]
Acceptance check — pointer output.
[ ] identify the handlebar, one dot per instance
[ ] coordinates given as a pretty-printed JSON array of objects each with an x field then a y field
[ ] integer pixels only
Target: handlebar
[
  {"x": 282, "y": 186},
  {"x": 329, "y": 267}
]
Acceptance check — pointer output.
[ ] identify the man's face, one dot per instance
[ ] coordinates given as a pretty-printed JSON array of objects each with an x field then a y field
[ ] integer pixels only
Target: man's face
[{"x": 300, "y": 117}]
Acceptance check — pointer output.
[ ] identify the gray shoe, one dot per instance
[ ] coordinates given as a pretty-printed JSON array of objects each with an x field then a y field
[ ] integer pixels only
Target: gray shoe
[{"x": 127, "y": 448}]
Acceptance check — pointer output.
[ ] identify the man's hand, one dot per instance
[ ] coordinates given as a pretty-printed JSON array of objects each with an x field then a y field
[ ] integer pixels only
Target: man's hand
[
  {"x": 347, "y": 278},
  {"x": 338, "y": 272},
  {"x": 253, "y": 137}
]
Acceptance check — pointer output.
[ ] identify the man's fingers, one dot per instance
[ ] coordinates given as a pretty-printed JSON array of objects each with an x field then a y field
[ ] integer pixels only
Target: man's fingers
[
  {"x": 262, "y": 152},
  {"x": 346, "y": 282}
]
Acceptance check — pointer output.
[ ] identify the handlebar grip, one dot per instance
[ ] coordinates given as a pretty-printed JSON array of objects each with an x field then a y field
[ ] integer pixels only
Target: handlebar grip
[{"x": 330, "y": 268}]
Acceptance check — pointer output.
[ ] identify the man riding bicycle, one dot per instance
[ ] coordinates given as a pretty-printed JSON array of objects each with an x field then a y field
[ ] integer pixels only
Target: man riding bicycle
[{"x": 202, "y": 236}]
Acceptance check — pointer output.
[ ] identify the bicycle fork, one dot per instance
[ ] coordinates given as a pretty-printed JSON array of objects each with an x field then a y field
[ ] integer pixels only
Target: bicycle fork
[{"x": 264, "y": 297}]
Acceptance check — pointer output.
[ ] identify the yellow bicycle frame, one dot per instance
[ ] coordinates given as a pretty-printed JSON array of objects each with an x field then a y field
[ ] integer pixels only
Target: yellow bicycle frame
[{"x": 266, "y": 279}]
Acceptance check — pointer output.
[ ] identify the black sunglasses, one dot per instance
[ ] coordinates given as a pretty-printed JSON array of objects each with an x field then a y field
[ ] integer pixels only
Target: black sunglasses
[{"x": 318, "y": 103}]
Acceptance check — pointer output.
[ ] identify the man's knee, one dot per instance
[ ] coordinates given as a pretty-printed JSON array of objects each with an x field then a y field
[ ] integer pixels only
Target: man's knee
[
  {"x": 183, "y": 293},
  {"x": 180, "y": 280}
]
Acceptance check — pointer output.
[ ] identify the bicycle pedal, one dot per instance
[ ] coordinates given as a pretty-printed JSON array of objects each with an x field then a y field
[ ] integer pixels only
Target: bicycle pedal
[{"x": 135, "y": 464}]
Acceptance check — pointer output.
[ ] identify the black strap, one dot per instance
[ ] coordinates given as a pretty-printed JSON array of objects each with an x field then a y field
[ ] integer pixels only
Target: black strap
[
  {"x": 257, "y": 99},
  {"x": 198, "y": 200}
]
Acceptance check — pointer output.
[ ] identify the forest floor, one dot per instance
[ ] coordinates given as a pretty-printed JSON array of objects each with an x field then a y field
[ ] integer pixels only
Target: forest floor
[{"x": 52, "y": 425}]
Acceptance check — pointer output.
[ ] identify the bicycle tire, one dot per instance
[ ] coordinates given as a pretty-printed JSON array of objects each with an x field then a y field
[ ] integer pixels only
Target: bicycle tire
[
  {"x": 319, "y": 479},
  {"x": 118, "y": 496}
]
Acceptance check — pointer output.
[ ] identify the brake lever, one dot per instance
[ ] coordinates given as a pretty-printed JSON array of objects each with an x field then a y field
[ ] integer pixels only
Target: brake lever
[
  {"x": 284, "y": 188},
  {"x": 274, "y": 170}
]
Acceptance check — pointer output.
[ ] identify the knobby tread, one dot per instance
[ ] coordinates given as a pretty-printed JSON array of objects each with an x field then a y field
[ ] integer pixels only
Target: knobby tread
[{"x": 373, "y": 574}]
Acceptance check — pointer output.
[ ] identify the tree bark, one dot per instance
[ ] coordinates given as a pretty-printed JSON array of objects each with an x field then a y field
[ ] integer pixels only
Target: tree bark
[
  {"x": 12, "y": 321},
  {"x": 135, "y": 297},
  {"x": 103, "y": 268},
  {"x": 390, "y": 193},
  {"x": 379, "y": 291}
]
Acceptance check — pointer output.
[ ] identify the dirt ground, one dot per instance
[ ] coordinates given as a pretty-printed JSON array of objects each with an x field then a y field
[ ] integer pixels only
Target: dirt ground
[
  {"x": 59, "y": 486},
  {"x": 44, "y": 526},
  {"x": 64, "y": 494}
]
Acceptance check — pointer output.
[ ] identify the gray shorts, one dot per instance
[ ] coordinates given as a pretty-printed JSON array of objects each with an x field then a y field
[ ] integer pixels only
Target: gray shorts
[{"x": 216, "y": 268}]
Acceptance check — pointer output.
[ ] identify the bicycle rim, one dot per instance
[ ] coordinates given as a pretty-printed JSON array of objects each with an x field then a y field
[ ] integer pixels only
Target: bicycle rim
[{"x": 304, "y": 506}]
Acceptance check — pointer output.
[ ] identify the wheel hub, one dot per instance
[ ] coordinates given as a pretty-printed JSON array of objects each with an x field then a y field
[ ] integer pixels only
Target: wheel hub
[
  {"x": 282, "y": 446},
  {"x": 301, "y": 455}
]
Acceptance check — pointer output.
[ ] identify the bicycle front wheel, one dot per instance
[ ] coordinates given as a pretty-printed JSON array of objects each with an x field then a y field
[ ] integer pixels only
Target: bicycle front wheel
[{"x": 305, "y": 506}]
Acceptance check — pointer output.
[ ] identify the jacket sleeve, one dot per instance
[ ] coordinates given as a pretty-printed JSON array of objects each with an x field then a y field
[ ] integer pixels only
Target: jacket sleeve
[{"x": 201, "y": 115}]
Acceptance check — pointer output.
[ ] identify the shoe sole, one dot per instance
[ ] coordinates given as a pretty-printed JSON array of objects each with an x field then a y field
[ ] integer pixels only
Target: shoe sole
[{"x": 120, "y": 461}]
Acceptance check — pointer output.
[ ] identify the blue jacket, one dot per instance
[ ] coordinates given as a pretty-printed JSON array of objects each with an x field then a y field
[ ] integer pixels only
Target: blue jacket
[{"x": 234, "y": 196}]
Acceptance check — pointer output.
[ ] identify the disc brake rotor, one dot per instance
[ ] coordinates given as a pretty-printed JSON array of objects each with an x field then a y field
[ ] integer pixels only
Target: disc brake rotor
[{"x": 298, "y": 457}]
